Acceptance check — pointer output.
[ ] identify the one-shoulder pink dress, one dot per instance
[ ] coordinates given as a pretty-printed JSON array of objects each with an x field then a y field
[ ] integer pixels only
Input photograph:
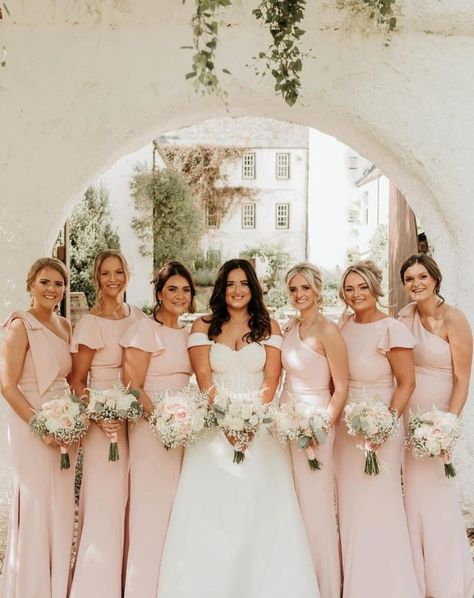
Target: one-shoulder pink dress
[
  {"x": 104, "y": 490},
  {"x": 307, "y": 378},
  {"x": 154, "y": 471},
  {"x": 443, "y": 561},
  {"x": 38, "y": 559},
  {"x": 375, "y": 546}
]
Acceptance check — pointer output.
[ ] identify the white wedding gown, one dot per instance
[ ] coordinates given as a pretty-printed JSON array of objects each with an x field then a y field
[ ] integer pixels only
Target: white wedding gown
[{"x": 236, "y": 530}]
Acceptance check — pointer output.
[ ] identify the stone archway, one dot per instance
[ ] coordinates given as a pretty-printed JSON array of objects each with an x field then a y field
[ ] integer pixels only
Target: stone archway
[{"x": 90, "y": 81}]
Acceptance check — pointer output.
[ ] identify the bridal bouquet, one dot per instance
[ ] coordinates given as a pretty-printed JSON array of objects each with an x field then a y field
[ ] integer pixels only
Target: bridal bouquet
[
  {"x": 239, "y": 415},
  {"x": 434, "y": 434},
  {"x": 304, "y": 422},
  {"x": 374, "y": 421},
  {"x": 117, "y": 402},
  {"x": 180, "y": 416},
  {"x": 64, "y": 418}
]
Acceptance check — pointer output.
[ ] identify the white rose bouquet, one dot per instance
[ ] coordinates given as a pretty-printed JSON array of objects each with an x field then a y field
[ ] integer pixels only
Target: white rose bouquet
[
  {"x": 117, "y": 402},
  {"x": 239, "y": 415},
  {"x": 64, "y": 418},
  {"x": 304, "y": 422},
  {"x": 375, "y": 422},
  {"x": 434, "y": 434},
  {"x": 180, "y": 416}
]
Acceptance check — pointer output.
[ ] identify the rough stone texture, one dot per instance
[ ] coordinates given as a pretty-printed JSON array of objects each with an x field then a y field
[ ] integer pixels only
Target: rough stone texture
[{"x": 88, "y": 81}]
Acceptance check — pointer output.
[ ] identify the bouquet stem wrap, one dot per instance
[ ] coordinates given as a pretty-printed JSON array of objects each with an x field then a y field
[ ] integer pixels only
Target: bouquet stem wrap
[{"x": 374, "y": 421}]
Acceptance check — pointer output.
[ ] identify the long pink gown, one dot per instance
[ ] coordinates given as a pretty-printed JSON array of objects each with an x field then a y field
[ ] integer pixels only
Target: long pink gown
[
  {"x": 375, "y": 546},
  {"x": 154, "y": 471},
  {"x": 104, "y": 490},
  {"x": 37, "y": 563},
  {"x": 307, "y": 378},
  {"x": 443, "y": 561}
]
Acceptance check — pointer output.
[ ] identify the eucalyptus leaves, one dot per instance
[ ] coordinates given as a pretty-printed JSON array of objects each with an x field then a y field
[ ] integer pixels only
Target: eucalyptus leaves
[{"x": 283, "y": 58}]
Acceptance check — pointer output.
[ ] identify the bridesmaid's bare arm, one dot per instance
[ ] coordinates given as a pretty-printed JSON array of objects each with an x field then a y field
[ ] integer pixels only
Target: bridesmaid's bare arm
[
  {"x": 135, "y": 367},
  {"x": 272, "y": 369},
  {"x": 199, "y": 357},
  {"x": 336, "y": 354},
  {"x": 81, "y": 364},
  {"x": 460, "y": 340},
  {"x": 403, "y": 368},
  {"x": 12, "y": 359}
]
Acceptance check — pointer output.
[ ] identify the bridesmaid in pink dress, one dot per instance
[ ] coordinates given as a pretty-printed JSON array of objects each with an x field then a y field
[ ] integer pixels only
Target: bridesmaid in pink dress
[
  {"x": 376, "y": 555},
  {"x": 35, "y": 359},
  {"x": 156, "y": 358},
  {"x": 443, "y": 356},
  {"x": 313, "y": 354},
  {"x": 97, "y": 363}
]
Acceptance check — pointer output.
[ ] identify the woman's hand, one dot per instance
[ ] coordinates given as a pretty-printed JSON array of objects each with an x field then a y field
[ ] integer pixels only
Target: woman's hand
[
  {"x": 49, "y": 440},
  {"x": 110, "y": 427}
]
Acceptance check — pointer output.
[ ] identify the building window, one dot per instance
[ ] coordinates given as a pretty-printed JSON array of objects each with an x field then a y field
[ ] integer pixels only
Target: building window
[
  {"x": 213, "y": 257},
  {"x": 282, "y": 215},
  {"x": 248, "y": 215},
  {"x": 365, "y": 207},
  {"x": 212, "y": 217},
  {"x": 283, "y": 166},
  {"x": 248, "y": 165}
]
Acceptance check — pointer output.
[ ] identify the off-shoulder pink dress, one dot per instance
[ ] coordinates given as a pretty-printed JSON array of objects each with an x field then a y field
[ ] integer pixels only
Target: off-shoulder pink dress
[
  {"x": 307, "y": 378},
  {"x": 443, "y": 561},
  {"x": 104, "y": 490},
  {"x": 37, "y": 563},
  {"x": 375, "y": 546},
  {"x": 154, "y": 471}
]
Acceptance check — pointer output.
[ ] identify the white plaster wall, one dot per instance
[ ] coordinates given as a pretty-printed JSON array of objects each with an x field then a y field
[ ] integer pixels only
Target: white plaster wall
[{"x": 88, "y": 82}]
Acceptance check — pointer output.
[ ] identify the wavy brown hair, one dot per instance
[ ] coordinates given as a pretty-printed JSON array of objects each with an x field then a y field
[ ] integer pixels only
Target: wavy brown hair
[
  {"x": 163, "y": 275},
  {"x": 259, "y": 318}
]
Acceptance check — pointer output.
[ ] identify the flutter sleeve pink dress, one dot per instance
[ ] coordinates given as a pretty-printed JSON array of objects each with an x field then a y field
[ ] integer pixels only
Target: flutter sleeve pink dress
[
  {"x": 375, "y": 546},
  {"x": 154, "y": 471},
  {"x": 443, "y": 562},
  {"x": 37, "y": 562},
  {"x": 104, "y": 489},
  {"x": 307, "y": 378}
]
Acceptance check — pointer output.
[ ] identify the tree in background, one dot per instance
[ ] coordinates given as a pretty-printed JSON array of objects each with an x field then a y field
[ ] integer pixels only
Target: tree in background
[
  {"x": 91, "y": 231},
  {"x": 167, "y": 217}
]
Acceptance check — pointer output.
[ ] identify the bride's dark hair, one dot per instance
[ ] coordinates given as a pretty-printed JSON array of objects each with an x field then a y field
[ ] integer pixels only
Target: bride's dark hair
[{"x": 259, "y": 318}]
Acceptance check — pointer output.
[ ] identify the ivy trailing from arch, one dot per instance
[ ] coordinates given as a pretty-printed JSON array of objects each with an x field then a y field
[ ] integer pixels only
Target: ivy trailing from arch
[{"x": 284, "y": 56}]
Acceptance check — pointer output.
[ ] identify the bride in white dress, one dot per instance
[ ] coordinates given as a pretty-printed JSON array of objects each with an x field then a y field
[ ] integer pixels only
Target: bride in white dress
[{"x": 236, "y": 530}]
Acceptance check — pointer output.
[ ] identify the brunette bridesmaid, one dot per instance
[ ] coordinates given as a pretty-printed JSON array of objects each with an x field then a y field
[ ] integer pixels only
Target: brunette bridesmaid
[
  {"x": 35, "y": 360},
  {"x": 314, "y": 354},
  {"x": 156, "y": 358},
  {"x": 376, "y": 555},
  {"x": 97, "y": 363},
  {"x": 443, "y": 357}
]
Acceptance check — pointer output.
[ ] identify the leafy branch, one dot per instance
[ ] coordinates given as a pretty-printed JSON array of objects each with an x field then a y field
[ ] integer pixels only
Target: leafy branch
[
  {"x": 379, "y": 11},
  {"x": 205, "y": 26},
  {"x": 283, "y": 57},
  {"x": 3, "y": 49}
]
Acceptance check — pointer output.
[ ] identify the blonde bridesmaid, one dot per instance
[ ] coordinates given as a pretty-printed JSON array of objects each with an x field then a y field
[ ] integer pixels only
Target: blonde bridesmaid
[
  {"x": 314, "y": 358},
  {"x": 35, "y": 360},
  {"x": 375, "y": 546},
  {"x": 443, "y": 357},
  {"x": 97, "y": 363},
  {"x": 156, "y": 358}
]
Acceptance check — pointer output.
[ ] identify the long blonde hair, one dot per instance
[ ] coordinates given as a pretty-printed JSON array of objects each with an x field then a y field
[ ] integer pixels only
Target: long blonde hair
[
  {"x": 99, "y": 260},
  {"x": 312, "y": 274}
]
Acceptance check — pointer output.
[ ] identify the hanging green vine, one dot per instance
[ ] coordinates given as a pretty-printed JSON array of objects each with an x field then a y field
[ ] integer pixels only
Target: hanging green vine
[
  {"x": 3, "y": 49},
  {"x": 379, "y": 11},
  {"x": 205, "y": 25},
  {"x": 283, "y": 58}
]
